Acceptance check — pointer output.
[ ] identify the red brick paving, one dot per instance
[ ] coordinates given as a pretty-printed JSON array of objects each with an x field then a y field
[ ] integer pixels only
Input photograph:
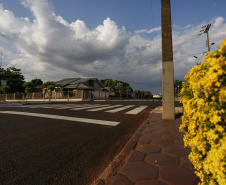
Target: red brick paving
[
  {"x": 140, "y": 171},
  {"x": 136, "y": 156},
  {"x": 162, "y": 159},
  {"x": 177, "y": 175},
  {"x": 121, "y": 179},
  {"x": 159, "y": 157}
]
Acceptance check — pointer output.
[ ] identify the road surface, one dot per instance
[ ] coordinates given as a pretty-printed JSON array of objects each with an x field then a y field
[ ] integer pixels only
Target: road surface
[{"x": 65, "y": 143}]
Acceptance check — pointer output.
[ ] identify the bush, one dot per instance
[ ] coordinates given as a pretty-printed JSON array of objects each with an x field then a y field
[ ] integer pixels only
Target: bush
[{"x": 204, "y": 117}]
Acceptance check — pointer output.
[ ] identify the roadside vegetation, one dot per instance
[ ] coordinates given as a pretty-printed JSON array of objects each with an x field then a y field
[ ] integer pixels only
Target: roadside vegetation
[
  {"x": 121, "y": 88},
  {"x": 142, "y": 94},
  {"x": 14, "y": 78},
  {"x": 124, "y": 89},
  {"x": 17, "y": 84},
  {"x": 204, "y": 117}
]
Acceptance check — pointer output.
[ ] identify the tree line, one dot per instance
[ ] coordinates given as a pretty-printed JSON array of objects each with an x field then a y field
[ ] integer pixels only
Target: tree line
[
  {"x": 124, "y": 89},
  {"x": 17, "y": 84},
  {"x": 117, "y": 86}
]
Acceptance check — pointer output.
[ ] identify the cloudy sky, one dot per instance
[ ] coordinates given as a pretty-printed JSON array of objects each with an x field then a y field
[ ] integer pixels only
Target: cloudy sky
[{"x": 54, "y": 39}]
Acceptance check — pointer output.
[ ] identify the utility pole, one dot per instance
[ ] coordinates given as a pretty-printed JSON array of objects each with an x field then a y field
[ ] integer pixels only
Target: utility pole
[
  {"x": 168, "y": 111},
  {"x": 206, "y": 30}
]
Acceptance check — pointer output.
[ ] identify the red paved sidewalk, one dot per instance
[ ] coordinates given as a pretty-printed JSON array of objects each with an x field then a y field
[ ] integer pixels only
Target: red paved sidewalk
[{"x": 157, "y": 158}]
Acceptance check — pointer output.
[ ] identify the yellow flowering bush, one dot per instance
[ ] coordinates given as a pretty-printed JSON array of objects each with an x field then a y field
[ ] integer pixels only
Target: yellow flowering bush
[{"x": 204, "y": 117}]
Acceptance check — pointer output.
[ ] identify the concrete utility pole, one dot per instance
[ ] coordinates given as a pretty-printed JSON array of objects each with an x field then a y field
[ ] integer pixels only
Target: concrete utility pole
[
  {"x": 168, "y": 111},
  {"x": 206, "y": 30}
]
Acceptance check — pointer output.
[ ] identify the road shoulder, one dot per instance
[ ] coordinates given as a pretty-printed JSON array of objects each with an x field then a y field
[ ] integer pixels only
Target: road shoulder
[{"x": 118, "y": 162}]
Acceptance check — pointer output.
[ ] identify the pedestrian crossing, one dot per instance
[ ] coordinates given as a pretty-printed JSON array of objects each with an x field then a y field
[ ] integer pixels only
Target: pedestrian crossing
[
  {"x": 87, "y": 107},
  {"x": 137, "y": 110},
  {"x": 109, "y": 108},
  {"x": 120, "y": 109},
  {"x": 102, "y": 108}
]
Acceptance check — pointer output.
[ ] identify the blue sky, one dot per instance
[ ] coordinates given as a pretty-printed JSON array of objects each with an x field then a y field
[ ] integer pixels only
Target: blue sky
[
  {"x": 133, "y": 14},
  {"x": 53, "y": 39}
]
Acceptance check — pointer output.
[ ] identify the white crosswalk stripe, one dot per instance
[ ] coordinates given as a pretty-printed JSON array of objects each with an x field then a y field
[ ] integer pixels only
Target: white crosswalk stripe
[
  {"x": 120, "y": 109},
  {"x": 102, "y": 108},
  {"x": 67, "y": 106},
  {"x": 137, "y": 110},
  {"x": 89, "y": 106},
  {"x": 52, "y": 106}
]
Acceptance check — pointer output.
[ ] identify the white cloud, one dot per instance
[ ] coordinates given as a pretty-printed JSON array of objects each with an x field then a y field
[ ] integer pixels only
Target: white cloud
[
  {"x": 218, "y": 22},
  {"x": 158, "y": 29},
  {"x": 50, "y": 48}
]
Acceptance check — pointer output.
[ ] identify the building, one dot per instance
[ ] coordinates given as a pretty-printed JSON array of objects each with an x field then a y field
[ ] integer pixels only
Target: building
[
  {"x": 80, "y": 87},
  {"x": 80, "y": 84}
]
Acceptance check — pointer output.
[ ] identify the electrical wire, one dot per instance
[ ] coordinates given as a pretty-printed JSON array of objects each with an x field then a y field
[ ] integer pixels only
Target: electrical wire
[
  {"x": 153, "y": 19},
  {"x": 173, "y": 10}
]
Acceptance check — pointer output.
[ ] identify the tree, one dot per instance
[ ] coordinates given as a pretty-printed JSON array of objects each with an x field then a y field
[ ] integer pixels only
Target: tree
[
  {"x": 28, "y": 87},
  {"x": 117, "y": 86},
  {"x": 2, "y": 88},
  {"x": 177, "y": 86},
  {"x": 49, "y": 85},
  {"x": 137, "y": 93},
  {"x": 14, "y": 78},
  {"x": 110, "y": 84},
  {"x": 36, "y": 82},
  {"x": 120, "y": 88},
  {"x": 148, "y": 94},
  {"x": 128, "y": 91},
  {"x": 141, "y": 93}
]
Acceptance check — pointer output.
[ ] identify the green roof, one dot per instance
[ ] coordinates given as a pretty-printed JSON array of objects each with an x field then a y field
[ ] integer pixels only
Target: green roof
[
  {"x": 77, "y": 83},
  {"x": 66, "y": 81},
  {"x": 78, "y": 86}
]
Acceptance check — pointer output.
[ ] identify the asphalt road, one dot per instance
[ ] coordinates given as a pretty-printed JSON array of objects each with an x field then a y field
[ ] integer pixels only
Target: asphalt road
[{"x": 45, "y": 149}]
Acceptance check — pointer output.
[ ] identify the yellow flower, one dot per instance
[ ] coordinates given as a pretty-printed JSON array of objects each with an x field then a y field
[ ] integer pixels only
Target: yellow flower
[
  {"x": 222, "y": 95},
  {"x": 215, "y": 119},
  {"x": 223, "y": 47},
  {"x": 204, "y": 117}
]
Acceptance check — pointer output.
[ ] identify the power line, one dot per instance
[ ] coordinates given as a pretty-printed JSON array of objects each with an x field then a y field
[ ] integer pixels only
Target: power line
[
  {"x": 153, "y": 19},
  {"x": 152, "y": 12},
  {"x": 173, "y": 10}
]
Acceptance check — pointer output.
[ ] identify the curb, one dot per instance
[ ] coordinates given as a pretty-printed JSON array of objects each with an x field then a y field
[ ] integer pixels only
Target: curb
[
  {"x": 10, "y": 104},
  {"x": 120, "y": 159}
]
